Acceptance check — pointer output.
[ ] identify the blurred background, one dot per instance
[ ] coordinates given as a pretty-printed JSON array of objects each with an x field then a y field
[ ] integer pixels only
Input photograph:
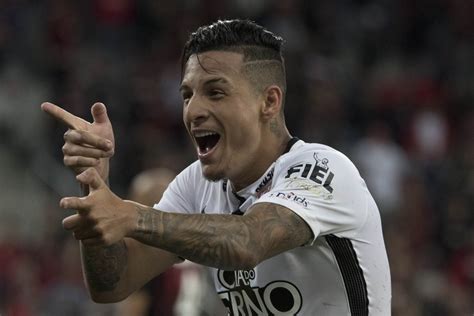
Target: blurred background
[{"x": 388, "y": 82}]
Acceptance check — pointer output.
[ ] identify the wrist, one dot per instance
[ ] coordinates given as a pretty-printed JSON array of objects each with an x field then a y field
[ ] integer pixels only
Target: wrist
[
  {"x": 145, "y": 226},
  {"x": 132, "y": 218}
]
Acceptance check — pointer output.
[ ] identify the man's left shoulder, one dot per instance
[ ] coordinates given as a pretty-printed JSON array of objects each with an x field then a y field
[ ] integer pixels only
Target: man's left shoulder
[{"x": 314, "y": 154}]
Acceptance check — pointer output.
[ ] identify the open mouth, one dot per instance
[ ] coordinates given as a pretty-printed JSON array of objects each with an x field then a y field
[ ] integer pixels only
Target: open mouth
[{"x": 206, "y": 141}]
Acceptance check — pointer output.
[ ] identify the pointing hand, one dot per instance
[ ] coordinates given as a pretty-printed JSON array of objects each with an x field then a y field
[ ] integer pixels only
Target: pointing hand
[
  {"x": 102, "y": 218},
  {"x": 85, "y": 144}
]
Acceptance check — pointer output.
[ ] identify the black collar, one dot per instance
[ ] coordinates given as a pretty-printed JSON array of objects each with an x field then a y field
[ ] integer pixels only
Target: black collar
[
  {"x": 241, "y": 199},
  {"x": 290, "y": 144}
]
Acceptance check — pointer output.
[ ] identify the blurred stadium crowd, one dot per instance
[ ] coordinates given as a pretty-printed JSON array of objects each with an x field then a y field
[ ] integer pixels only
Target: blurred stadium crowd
[{"x": 388, "y": 82}]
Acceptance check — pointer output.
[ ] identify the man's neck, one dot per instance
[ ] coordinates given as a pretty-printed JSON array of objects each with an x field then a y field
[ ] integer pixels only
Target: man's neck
[{"x": 274, "y": 151}]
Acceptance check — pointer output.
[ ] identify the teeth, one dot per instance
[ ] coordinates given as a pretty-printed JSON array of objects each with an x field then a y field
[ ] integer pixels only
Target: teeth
[{"x": 202, "y": 134}]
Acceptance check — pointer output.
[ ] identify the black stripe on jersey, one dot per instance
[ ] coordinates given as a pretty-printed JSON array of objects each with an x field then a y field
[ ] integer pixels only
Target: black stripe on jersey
[
  {"x": 290, "y": 144},
  {"x": 352, "y": 274},
  {"x": 240, "y": 198},
  {"x": 241, "y": 201},
  {"x": 224, "y": 185}
]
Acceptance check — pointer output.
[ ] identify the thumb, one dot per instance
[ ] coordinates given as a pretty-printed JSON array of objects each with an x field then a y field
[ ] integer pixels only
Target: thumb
[
  {"x": 99, "y": 113},
  {"x": 91, "y": 178}
]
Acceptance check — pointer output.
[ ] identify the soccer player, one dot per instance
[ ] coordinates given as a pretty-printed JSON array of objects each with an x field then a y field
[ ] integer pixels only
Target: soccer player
[{"x": 286, "y": 227}]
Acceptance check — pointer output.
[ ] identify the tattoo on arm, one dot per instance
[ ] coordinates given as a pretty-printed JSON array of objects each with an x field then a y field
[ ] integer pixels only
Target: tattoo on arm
[
  {"x": 279, "y": 229},
  {"x": 224, "y": 241},
  {"x": 103, "y": 266},
  {"x": 147, "y": 226}
]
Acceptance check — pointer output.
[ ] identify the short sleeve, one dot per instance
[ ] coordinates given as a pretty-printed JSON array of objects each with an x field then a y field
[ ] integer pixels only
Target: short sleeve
[
  {"x": 324, "y": 188},
  {"x": 179, "y": 197}
]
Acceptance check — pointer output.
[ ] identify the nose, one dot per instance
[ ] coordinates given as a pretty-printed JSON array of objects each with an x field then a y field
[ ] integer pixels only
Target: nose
[{"x": 196, "y": 111}]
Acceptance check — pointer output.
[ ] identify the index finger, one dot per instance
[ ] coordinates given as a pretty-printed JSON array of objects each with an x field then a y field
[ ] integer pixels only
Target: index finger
[{"x": 72, "y": 121}]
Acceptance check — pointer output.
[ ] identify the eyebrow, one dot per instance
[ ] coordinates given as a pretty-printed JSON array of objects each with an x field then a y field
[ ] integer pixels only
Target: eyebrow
[{"x": 210, "y": 81}]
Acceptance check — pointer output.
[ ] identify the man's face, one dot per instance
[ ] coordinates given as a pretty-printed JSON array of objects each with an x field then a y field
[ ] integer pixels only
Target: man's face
[{"x": 222, "y": 115}]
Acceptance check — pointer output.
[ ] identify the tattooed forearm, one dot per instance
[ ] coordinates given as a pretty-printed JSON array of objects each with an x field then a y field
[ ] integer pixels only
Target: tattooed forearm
[
  {"x": 104, "y": 265},
  {"x": 224, "y": 241},
  {"x": 147, "y": 225}
]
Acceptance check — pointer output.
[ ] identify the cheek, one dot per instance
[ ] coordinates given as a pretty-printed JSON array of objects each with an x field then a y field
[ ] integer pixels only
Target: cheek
[
  {"x": 243, "y": 124},
  {"x": 244, "y": 131},
  {"x": 244, "y": 138}
]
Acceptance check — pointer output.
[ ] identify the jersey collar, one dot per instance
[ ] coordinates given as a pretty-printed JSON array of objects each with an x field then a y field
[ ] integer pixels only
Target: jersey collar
[{"x": 260, "y": 186}]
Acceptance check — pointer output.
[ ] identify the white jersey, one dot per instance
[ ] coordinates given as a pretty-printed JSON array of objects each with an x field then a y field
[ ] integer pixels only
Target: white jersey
[{"x": 342, "y": 271}]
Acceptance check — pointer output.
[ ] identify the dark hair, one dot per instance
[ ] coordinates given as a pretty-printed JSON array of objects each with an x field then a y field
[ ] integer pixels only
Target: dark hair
[
  {"x": 258, "y": 45},
  {"x": 222, "y": 35}
]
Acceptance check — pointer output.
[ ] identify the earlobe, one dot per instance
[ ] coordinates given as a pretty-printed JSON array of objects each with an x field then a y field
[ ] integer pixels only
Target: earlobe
[{"x": 273, "y": 101}]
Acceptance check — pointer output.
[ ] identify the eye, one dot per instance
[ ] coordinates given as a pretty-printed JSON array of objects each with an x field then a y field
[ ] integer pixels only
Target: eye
[
  {"x": 216, "y": 94},
  {"x": 186, "y": 97}
]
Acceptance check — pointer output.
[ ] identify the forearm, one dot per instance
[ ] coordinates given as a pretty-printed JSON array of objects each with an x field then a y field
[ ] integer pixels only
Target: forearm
[
  {"x": 104, "y": 266},
  {"x": 223, "y": 241},
  {"x": 104, "y": 269}
]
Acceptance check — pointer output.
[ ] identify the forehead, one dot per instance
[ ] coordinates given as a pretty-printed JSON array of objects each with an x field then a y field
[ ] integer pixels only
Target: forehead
[{"x": 212, "y": 64}]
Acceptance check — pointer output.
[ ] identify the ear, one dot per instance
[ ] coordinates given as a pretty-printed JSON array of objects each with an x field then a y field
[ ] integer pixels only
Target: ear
[{"x": 273, "y": 98}]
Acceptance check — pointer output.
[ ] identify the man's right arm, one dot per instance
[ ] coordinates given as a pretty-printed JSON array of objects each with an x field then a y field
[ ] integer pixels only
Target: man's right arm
[{"x": 113, "y": 272}]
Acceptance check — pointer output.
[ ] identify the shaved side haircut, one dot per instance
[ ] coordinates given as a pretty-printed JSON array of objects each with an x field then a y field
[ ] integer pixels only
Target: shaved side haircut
[{"x": 263, "y": 62}]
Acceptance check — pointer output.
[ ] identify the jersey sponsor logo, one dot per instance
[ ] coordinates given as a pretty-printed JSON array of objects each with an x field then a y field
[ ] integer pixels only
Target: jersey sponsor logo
[
  {"x": 316, "y": 190},
  {"x": 264, "y": 186},
  {"x": 290, "y": 196},
  {"x": 317, "y": 172},
  {"x": 241, "y": 298}
]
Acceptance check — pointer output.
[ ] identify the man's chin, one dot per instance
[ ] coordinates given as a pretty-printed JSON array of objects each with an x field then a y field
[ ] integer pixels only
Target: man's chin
[{"x": 212, "y": 174}]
